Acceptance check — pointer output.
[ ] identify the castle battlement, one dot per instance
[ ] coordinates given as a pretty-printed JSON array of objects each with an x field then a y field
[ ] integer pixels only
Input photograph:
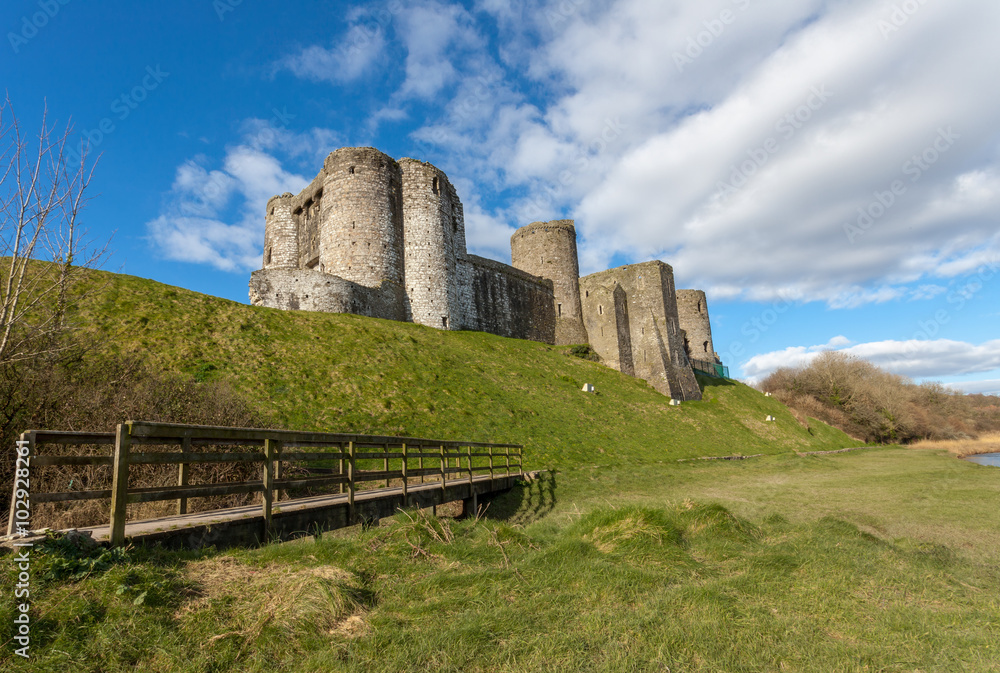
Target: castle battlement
[{"x": 384, "y": 238}]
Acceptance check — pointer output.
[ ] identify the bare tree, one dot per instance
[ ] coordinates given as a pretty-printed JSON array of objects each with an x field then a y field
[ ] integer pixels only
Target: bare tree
[{"x": 42, "y": 194}]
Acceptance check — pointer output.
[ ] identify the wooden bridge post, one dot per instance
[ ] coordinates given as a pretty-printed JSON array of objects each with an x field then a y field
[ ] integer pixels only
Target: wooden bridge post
[
  {"x": 278, "y": 470},
  {"x": 472, "y": 487},
  {"x": 420, "y": 462},
  {"x": 182, "y": 475},
  {"x": 444, "y": 469},
  {"x": 340, "y": 447},
  {"x": 406, "y": 501},
  {"x": 385, "y": 463},
  {"x": 271, "y": 448},
  {"x": 506, "y": 455},
  {"x": 119, "y": 485},
  {"x": 351, "y": 468},
  {"x": 491, "y": 463}
]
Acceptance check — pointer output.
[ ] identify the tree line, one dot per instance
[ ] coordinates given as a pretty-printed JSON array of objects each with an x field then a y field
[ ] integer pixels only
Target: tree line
[{"x": 874, "y": 405}]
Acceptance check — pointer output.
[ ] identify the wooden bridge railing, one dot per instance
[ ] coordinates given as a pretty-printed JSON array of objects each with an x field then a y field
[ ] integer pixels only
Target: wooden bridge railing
[{"x": 416, "y": 459}]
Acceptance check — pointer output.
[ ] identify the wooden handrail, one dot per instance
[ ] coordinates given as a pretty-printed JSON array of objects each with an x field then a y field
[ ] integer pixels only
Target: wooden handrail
[{"x": 351, "y": 449}]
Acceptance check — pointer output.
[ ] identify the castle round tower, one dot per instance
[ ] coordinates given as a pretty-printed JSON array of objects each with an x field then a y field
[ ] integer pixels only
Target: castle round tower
[
  {"x": 281, "y": 238},
  {"x": 433, "y": 241},
  {"x": 692, "y": 311},
  {"x": 548, "y": 250},
  {"x": 361, "y": 217}
]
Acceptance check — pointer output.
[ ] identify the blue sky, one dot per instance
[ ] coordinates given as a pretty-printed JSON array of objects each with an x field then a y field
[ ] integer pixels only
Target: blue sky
[{"x": 827, "y": 170}]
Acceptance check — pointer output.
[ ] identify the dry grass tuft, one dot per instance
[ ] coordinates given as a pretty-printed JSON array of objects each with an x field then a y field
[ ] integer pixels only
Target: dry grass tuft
[
  {"x": 293, "y": 601},
  {"x": 632, "y": 528},
  {"x": 987, "y": 443}
]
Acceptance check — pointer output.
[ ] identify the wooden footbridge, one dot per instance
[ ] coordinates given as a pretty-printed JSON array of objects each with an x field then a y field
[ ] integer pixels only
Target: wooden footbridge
[{"x": 362, "y": 478}]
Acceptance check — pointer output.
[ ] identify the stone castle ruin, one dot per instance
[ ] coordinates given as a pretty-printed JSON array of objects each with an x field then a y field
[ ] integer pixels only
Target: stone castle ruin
[{"x": 386, "y": 239}]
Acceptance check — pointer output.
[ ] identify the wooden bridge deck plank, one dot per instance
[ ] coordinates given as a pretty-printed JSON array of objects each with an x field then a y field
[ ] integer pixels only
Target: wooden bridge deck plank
[{"x": 138, "y": 529}]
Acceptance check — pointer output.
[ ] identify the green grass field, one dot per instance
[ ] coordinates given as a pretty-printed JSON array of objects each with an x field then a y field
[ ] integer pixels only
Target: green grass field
[
  {"x": 622, "y": 557},
  {"x": 880, "y": 560},
  {"x": 345, "y": 373}
]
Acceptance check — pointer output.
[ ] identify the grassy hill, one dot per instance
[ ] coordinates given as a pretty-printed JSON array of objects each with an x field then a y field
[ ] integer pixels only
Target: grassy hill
[
  {"x": 350, "y": 373},
  {"x": 621, "y": 559}
]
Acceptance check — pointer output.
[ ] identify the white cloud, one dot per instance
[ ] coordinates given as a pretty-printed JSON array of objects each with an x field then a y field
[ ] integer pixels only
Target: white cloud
[
  {"x": 432, "y": 32},
  {"x": 876, "y": 116},
  {"x": 228, "y": 247},
  {"x": 760, "y": 366},
  {"x": 930, "y": 359},
  {"x": 839, "y": 107},
  {"x": 273, "y": 135},
  {"x": 927, "y": 292},
  {"x": 987, "y": 387},
  {"x": 915, "y": 358},
  {"x": 735, "y": 139},
  {"x": 208, "y": 191},
  {"x": 835, "y": 342},
  {"x": 196, "y": 223},
  {"x": 352, "y": 55},
  {"x": 260, "y": 176}
]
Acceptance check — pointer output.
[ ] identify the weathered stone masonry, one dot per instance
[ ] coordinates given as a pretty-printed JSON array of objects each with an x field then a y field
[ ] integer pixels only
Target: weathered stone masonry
[
  {"x": 548, "y": 250},
  {"x": 692, "y": 309},
  {"x": 386, "y": 239},
  {"x": 631, "y": 315}
]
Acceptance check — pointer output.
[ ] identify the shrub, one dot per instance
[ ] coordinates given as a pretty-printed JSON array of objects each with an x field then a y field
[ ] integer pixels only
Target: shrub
[
  {"x": 85, "y": 393},
  {"x": 876, "y": 406}
]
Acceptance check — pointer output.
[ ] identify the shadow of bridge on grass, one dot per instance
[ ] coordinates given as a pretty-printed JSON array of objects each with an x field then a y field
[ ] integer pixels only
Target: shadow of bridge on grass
[{"x": 529, "y": 500}]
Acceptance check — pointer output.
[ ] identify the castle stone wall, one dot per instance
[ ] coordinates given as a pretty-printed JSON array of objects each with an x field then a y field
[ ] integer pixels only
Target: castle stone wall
[
  {"x": 605, "y": 315},
  {"x": 281, "y": 234},
  {"x": 306, "y": 209},
  {"x": 433, "y": 240},
  {"x": 502, "y": 300},
  {"x": 386, "y": 239},
  {"x": 692, "y": 309},
  {"x": 361, "y": 230},
  {"x": 548, "y": 250},
  {"x": 653, "y": 326},
  {"x": 312, "y": 290}
]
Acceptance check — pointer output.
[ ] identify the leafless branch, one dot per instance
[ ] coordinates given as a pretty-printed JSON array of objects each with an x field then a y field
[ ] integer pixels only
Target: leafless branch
[{"x": 42, "y": 195}]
